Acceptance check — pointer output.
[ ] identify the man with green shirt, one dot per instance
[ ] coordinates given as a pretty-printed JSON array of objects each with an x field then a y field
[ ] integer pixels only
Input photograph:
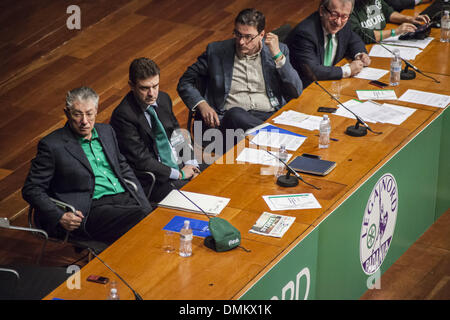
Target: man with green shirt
[
  {"x": 80, "y": 164},
  {"x": 369, "y": 19}
]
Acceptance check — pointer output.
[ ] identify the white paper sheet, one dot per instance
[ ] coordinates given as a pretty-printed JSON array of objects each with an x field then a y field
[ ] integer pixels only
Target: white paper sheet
[
  {"x": 376, "y": 94},
  {"x": 371, "y": 73},
  {"x": 292, "y": 202},
  {"x": 259, "y": 156},
  {"x": 405, "y": 52},
  {"x": 426, "y": 98}
]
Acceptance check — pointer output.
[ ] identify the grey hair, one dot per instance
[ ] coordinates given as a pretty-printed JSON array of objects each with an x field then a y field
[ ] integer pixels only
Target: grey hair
[
  {"x": 81, "y": 94},
  {"x": 325, "y": 3}
]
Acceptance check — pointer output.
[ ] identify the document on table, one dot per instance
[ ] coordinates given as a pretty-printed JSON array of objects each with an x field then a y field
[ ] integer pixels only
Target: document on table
[
  {"x": 259, "y": 156},
  {"x": 274, "y": 225},
  {"x": 272, "y": 136},
  {"x": 426, "y": 98},
  {"x": 417, "y": 43},
  {"x": 371, "y": 73},
  {"x": 376, "y": 94},
  {"x": 405, "y": 52},
  {"x": 371, "y": 111},
  {"x": 298, "y": 119},
  {"x": 292, "y": 201}
]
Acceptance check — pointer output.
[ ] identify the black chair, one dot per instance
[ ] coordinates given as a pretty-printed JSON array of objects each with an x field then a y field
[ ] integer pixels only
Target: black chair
[
  {"x": 282, "y": 32},
  {"x": 29, "y": 282}
]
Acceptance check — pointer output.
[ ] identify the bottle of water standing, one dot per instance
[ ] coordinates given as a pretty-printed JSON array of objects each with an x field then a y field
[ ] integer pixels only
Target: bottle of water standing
[
  {"x": 113, "y": 291},
  {"x": 445, "y": 26},
  {"x": 324, "y": 132},
  {"x": 396, "y": 68},
  {"x": 186, "y": 240},
  {"x": 283, "y": 155}
]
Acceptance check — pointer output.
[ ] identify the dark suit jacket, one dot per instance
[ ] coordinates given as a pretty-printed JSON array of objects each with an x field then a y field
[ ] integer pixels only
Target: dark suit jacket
[
  {"x": 135, "y": 136},
  {"x": 306, "y": 44},
  {"x": 214, "y": 68},
  {"x": 399, "y": 5},
  {"x": 61, "y": 170}
]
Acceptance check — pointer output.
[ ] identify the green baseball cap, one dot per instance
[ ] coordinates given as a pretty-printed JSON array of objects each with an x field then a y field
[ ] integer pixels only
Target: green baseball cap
[{"x": 223, "y": 236}]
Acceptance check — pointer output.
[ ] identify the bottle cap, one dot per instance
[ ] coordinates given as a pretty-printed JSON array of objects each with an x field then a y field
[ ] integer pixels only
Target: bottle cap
[{"x": 325, "y": 117}]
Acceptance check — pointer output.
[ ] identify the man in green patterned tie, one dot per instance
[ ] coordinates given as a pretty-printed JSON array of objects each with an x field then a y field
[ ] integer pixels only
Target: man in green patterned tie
[
  {"x": 148, "y": 132},
  {"x": 323, "y": 39}
]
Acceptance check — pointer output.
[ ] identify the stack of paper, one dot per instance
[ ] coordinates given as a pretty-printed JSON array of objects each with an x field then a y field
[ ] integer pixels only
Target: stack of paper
[
  {"x": 386, "y": 94},
  {"x": 259, "y": 156},
  {"x": 371, "y": 111},
  {"x": 426, "y": 98},
  {"x": 272, "y": 136},
  {"x": 298, "y": 119},
  {"x": 371, "y": 73},
  {"x": 292, "y": 201},
  {"x": 273, "y": 225},
  {"x": 210, "y": 204},
  {"x": 415, "y": 43},
  {"x": 407, "y": 53}
]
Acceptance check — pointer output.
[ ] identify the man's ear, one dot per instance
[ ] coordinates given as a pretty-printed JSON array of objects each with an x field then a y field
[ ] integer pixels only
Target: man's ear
[
  {"x": 131, "y": 85},
  {"x": 67, "y": 112}
]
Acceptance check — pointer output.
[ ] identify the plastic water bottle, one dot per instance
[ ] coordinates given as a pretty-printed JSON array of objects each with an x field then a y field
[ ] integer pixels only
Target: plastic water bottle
[
  {"x": 186, "y": 240},
  {"x": 445, "y": 27},
  {"x": 113, "y": 292},
  {"x": 324, "y": 132},
  {"x": 396, "y": 68},
  {"x": 283, "y": 155}
]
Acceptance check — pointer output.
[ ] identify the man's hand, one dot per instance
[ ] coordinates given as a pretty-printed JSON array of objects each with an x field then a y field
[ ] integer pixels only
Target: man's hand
[
  {"x": 422, "y": 19},
  {"x": 356, "y": 67},
  {"x": 364, "y": 58},
  {"x": 272, "y": 43},
  {"x": 405, "y": 28},
  {"x": 71, "y": 220},
  {"x": 190, "y": 171},
  {"x": 208, "y": 114}
]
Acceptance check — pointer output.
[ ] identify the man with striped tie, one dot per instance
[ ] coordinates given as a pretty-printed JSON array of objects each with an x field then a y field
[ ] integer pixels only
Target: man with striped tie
[{"x": 323, "y": 39}]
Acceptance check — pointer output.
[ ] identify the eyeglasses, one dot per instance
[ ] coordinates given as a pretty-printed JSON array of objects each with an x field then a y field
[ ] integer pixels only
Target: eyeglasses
[
  {"x": 335, "y": 15},
  {"x": 80, "y": 115},
  {"x": 247, "y": 37}
]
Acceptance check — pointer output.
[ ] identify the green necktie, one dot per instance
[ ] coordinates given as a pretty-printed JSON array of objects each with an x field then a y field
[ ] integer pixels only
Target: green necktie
[
  {"x": 329, "y": 51},
  {"x": 162, "y": 142}
]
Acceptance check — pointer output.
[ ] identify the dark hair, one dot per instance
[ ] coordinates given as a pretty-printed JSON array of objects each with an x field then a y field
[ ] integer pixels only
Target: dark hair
[
  {"x": 142, "y": 68},
  {"x": 251, "y": 17}
]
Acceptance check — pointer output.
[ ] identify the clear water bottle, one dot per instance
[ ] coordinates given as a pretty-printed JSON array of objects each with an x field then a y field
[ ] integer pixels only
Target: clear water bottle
[
  {"x": 396, "y": 68},
  {"x": 113, "y": 291},
  {"x": 324, "y": 132},
  {"x": 445, "y": 26},
  {"x": 186, "y": 240},
  {"x": 283, "y": 155}
]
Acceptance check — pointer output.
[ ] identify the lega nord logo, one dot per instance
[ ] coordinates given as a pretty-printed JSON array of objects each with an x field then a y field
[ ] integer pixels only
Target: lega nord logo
[{"x": 378, "y": 224}]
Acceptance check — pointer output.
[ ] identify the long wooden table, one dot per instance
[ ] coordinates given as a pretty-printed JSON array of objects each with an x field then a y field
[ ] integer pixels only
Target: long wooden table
[{"x": 318, "y": 258}]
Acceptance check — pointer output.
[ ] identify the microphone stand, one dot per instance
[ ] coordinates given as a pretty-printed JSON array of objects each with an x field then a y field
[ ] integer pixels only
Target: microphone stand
[
  {"x": 405, "y": 74},
  {"x": 136, "y": 295},
  {"x": 288, "y": 180},
  {"x": 356, "y": 130}
]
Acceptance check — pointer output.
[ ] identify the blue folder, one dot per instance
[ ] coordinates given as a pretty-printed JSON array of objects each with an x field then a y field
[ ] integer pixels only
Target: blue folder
[{"x": 199, "y": 227}]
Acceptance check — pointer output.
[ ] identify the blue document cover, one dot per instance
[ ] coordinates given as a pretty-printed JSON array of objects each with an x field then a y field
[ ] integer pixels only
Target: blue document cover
[
  {"x": 199, "y": 227},
  {"x": 272, "y": 128}
]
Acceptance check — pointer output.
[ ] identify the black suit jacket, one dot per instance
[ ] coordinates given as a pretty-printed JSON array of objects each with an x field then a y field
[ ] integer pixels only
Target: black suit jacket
[
  {"x": 306, "y": 44},
  {"x": 135, "y": 136},
  {"x": 61, "y": 170}
]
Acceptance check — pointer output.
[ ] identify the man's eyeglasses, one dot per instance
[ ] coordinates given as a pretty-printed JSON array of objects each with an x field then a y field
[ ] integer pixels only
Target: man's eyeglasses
[
  {"x": 335, "y": 15},
  {"x": 80, "y": 115},
  {"x": 247, "y": 37}
]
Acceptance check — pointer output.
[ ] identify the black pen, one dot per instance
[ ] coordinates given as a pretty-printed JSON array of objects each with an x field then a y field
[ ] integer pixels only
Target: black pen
[{"x": 334, "y": 139}]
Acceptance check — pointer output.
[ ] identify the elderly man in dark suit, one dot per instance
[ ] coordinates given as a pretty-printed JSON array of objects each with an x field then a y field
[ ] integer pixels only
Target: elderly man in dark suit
[
  {"x": 246, "y": 79},
  {"x": 323, "y": 39},
  {"x": 148, "y": 132},
  {"x": 81, "y": 165}
]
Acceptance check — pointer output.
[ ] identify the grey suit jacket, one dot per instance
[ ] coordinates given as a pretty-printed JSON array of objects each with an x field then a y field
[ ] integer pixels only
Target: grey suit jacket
[
  {"x": 212, "y": 73},
  {"x": 61, "y": 170}
]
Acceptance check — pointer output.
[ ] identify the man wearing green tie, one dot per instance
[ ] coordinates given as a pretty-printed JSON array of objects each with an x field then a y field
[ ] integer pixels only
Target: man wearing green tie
[
  {"x": 147, "y": 132},
  {"x": 323, "y": 39}
]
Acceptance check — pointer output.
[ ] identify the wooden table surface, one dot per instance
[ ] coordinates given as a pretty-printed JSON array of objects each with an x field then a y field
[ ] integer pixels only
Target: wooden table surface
[{"x": 138, "y": 256}]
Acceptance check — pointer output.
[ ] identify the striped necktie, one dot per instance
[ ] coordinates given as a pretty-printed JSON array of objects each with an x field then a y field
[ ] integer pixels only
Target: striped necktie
[{"x": 162, "y": 142}]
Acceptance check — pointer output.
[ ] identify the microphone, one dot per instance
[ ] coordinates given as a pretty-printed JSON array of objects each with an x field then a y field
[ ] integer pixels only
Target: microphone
[
  {"x": 406, "y": 74},
  {"x": 207, "y": 242},
  {"x": 354, "y": 131},
  {"x": 287, "y": 180},
  {"x": 136, "y": 295}
]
